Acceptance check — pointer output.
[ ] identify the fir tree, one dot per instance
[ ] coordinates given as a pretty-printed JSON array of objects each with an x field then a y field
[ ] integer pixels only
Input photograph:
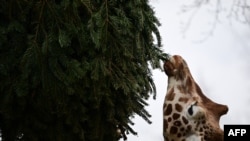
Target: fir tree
[{"x": 75, "y": 70}]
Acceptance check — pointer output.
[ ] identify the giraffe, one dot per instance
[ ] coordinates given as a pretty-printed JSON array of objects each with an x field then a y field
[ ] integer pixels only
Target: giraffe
[{"x": 188, "y": 115}]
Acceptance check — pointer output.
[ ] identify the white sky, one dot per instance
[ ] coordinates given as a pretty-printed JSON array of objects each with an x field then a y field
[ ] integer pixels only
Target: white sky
[{"x": 219, "y": 64}]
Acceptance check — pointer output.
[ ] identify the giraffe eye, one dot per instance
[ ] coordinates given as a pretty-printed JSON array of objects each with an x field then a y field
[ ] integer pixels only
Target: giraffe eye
[
  {"x": 190, "y": 110},
  {"x": 194, "y": 111}
]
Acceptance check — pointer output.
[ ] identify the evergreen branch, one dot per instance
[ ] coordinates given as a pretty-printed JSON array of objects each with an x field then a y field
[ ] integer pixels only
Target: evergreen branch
[
  {"x": 57, "y": 19},
  {"x": 106, "y": 22},
  {"x": 36, "y": 46},
  {"x": 39, "y": 20},
  {"x": 87, "y": 4},
  {"x": 61, "y": 44}
]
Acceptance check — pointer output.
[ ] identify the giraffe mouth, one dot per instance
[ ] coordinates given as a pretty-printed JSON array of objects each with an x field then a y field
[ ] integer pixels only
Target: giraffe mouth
[
  {"x": 168, "y": 68},
  {"x": 169, "y": 65}
]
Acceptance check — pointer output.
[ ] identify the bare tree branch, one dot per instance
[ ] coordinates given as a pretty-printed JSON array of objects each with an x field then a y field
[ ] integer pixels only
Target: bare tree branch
[{"x": 238, "y": 11}]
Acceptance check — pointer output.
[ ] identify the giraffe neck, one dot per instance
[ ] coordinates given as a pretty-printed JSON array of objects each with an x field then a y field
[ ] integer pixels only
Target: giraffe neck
[{"x": 185, "y": 85}]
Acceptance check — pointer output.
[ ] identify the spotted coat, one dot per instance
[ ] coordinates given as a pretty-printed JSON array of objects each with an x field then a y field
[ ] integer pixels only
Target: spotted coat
[{"x": 188, "y": 115}]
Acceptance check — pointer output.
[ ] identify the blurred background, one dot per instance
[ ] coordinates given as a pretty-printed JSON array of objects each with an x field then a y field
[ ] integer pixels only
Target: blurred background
[{"x": 213, "y": 37}]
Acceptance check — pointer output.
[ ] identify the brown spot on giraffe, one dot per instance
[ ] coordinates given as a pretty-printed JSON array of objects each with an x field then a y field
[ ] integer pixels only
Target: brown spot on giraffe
[
  {"x": 165, "y": 126},
  {"x": 168, "y": 111},
  {"x": 185, "y": 121},
  {"x": 176, "y": 116},
  {"x": 171, "y": 95},
  {"x": 177, "y": 123},
  {"x": 188, "y": 113},
  {"x": 178, "y": 107},
  {"x": 183, "y": 99},
  {"x": 173, "y": 130},
  {"x": 169, "y": 119}
]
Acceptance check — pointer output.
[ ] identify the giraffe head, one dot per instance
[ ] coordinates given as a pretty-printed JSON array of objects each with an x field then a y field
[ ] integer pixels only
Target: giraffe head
[{"x": 188, "y": 113}]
